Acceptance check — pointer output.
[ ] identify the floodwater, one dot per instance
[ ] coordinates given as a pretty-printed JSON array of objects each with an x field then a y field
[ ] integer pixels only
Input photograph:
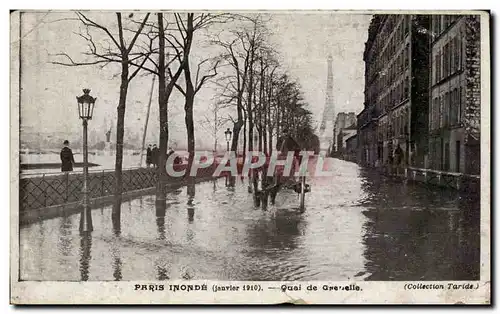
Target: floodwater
[{"x": 357, "y": 226}]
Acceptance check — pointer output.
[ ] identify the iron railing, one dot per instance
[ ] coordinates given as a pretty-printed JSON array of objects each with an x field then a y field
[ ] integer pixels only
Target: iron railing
[
  {"x": 49, "y": 189},
  {"x": 55, "y": 189}
]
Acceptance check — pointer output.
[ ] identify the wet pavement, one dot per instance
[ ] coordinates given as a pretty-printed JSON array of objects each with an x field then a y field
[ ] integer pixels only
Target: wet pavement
[{"x": 357, "y": 226}]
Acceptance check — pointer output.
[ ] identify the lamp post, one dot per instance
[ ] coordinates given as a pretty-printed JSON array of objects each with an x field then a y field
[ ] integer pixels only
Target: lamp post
[
  {"x": 228, "y": 134},
  {"x": 85, "y": 111}
]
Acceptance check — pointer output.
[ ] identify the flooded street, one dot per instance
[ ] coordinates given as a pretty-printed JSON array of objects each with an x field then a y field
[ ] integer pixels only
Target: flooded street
[{"x": 357, "y": 226}]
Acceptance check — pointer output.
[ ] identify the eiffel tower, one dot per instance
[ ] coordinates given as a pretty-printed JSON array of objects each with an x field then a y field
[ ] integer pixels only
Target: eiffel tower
[{"x": 326, "y": 127}]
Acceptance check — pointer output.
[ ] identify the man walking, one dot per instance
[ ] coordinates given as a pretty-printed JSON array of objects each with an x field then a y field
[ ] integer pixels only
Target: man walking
[{"x": 67, "y": 159}]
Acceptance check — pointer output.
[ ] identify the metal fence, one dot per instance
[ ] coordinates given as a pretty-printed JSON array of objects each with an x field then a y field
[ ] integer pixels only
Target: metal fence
[
  {"x": 48, "y": 190},
  {"x": 55, "y": 189},
  {"x": 455, "y": 180}
]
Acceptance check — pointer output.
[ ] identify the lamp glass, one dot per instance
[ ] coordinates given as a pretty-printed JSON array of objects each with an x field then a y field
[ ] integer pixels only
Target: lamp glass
[{"x": 86, "y": 105}]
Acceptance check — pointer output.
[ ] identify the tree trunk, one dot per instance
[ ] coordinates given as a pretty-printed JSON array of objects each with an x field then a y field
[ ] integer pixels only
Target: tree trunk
[
  {"x": 120, "y": 126},
  {"x": 269, "y": 102},
  {"x": 189, "y": 92},
  {"x": 188, "y": 108},
  {"x": 239, "y": 123},
  {"x": 262, "y": 112},
  {"x": 271, "y": 123},
  {"x": 245, "y": 120},
  {"x": 236, "y": 134},
  {"x": 216, "y": 129},
  {"x": 249, "y": 106},
  {"x": 163, "y": 113}
]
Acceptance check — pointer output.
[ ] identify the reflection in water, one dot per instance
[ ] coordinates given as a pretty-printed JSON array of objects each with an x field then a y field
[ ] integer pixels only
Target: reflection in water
[
  {"x": 191, "y": 193},
  {"x": 279, "y": 231},
  {"x": 116, "y": 221},
  {"x": 409, "y": 240},
  {"x": 117, "y": 263},
  {"x": 64, "y": 240},
  {"x": 85, "y": 257},
  {"x": 356, "y": 225},
  {"x": 160, "y": 219}
]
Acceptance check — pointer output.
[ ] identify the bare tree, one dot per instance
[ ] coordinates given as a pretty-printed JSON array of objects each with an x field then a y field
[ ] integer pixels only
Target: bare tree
[
  {"x": 118, "y": 51},
  {"x": 187, "y": 28},
  {"x": 161, "y": 32},
  {"x": 239, "y": 53},
  {"x": 214, "y": 123}
]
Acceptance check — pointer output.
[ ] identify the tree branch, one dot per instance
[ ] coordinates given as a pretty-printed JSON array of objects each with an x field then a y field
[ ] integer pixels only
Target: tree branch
[
  {"x": 88, "y": 22},
  {"x": 137, "y": 33}
]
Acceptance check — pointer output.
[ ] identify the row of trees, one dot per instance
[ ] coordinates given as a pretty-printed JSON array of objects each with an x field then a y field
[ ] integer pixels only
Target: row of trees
[{"x": 254, "y": 92}]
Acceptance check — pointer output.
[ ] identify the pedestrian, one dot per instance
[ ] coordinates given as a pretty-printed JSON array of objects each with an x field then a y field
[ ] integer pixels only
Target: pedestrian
[
  {"x": 398, "y": 154},
  {"x": 67, "y": 160},
  {"x": 155, "y": 155},
  {"x": 149, "y": 159}
]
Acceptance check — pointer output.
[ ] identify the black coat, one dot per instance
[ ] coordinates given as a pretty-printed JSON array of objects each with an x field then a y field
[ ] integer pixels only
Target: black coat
[
  {"x": 154, "y": 155},
  {"x": 67, "y": 159},
  {"x": 149, "y": 158}
]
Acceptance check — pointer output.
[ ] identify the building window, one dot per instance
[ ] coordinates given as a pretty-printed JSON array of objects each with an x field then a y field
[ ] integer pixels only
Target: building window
[
  {"x": 401, "y": 95},
  {"x": 407, "y": 56},
  {"x": 445, "y": 61},
  {"x": 401, "y": 125},
  {"x": 460, "y": 51},
  {"x": 461, "y": 100},
  {"x": 452, "y": 56},
  {"x": 440, "y": 112},
  {"x": 448, "y": 108},
  {"x": 431, "y": 115},
  {"x": 449, "y": 57},
  {"x": 455, "y": 107},
  {"x": 438, "y": 66},
  {"x": 406, "y": 87},
  {"x": 433, "y": 70}
]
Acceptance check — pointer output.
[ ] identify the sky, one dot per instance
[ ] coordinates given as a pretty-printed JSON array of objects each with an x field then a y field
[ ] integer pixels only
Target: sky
[{"x": 303, "y": 41}]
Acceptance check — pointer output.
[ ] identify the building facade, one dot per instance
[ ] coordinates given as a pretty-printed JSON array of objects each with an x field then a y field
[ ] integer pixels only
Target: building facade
[
  {"x": 454, "y": 94},
  {"x": 351, "y": 148},
  {"x": 396, "y": 90},
  {"x": 342, "y": 137},
  {"x": 342, "y": 121}
]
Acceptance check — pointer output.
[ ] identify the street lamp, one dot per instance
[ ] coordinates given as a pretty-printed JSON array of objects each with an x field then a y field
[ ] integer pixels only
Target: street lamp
[
  {"x": 228, "y": 134},
  {"x": 85, "y": 111}
]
